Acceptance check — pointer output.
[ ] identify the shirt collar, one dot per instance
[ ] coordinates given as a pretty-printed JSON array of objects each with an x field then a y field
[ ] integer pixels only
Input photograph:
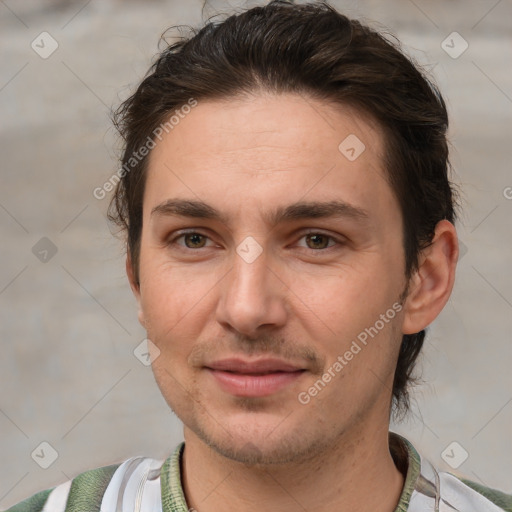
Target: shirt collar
[
  {"x": 408, "y": 460},
  {"x": 403, "y": 452}
]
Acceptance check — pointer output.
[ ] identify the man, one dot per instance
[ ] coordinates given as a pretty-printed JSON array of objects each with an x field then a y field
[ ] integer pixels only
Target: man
[{"x": 284, "y": 189}]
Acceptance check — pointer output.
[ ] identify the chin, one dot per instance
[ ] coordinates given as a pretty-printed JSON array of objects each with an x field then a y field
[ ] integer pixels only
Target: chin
[{"x": 259, "y": 441}]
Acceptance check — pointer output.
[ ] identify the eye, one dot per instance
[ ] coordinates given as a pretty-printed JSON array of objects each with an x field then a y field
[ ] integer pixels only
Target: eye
[
  {"x": 192, "y": 239},
  {"x": 319, "y": 241}
]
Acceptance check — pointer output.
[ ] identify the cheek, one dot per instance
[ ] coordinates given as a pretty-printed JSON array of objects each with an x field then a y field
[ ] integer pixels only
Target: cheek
[
  {"x": 175, "y": 316},
  {"x": 170, "y": 295},
  {"x": 344, "y": 320},
  {"x": 347, "y": 298},
  {"x": 174, "y": 321}
]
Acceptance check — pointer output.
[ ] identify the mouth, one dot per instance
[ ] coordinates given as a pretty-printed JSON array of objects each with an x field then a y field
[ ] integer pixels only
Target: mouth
[{"x": 253, "y": 379}]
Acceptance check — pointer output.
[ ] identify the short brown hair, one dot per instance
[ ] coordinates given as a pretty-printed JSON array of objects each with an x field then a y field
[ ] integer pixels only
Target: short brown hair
[{"x": 314, "y": 50}]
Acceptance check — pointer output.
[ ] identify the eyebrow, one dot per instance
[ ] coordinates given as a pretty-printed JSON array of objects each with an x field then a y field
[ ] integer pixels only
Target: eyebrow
[{"x": 296, "y": 211}]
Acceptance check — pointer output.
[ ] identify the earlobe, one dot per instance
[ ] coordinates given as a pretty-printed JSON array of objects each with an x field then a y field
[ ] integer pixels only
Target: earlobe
[
  {"x": 135, "y": 289},
  {"x": 431, "y": 285}
]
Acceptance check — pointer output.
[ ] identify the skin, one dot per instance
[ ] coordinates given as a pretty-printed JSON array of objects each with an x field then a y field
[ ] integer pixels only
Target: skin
[{"x": 303, "y": 299}]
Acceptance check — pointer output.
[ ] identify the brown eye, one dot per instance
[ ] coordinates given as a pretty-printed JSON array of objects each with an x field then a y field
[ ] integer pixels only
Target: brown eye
[
  {"x": 197, "y": 240},
  {"x": 318, "y": 241}
]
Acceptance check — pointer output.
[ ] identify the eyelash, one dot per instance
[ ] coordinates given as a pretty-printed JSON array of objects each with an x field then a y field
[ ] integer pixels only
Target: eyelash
[{"x": 181, "y": 234}]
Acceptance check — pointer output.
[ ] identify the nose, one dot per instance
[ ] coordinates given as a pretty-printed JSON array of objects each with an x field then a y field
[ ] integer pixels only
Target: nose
[{"x": 253, "y": 297}]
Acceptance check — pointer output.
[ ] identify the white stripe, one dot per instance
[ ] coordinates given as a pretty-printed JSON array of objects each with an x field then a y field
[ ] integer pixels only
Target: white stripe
[
  {"x": 135, "y": 484},
  {"x": 56, "y": 501},
  {"x": 129, "y": 489},
  {"x": 130, "y": 470},
  {"x": 109, "y": 500},
  {"x": 152, "y": 494}
]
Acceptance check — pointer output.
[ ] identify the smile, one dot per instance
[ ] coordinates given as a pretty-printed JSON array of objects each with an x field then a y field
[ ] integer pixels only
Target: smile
[{"x": 254, "y": 384}]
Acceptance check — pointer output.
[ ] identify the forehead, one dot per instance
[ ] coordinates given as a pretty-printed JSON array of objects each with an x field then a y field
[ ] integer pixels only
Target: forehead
[
  {"x": 294, "y": 120},
  {"x": 263, "y": 150}
]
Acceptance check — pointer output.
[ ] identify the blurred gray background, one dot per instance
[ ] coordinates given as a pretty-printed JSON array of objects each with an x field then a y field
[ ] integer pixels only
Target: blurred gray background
[{"x": 69, "y": 376}]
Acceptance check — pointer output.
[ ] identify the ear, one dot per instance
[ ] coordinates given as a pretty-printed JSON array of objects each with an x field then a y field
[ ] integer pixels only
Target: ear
[
  {"x": 431, "y": 285},
  {"x": 135, "y": 288}
]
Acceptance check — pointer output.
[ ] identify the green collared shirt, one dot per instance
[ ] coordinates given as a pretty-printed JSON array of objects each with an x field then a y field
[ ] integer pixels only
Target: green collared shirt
[{"x": 142, "y": 484}]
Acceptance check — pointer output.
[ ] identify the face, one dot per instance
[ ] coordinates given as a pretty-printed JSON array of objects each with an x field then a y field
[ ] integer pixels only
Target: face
[{"x": 264, "y": 239}]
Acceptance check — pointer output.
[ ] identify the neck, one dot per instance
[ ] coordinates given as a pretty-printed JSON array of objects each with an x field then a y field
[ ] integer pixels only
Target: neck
[{"x": 356, "y": 474}]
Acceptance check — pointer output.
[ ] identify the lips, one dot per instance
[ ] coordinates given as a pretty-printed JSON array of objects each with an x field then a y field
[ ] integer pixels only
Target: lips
[{"x": 253, "y": 378}]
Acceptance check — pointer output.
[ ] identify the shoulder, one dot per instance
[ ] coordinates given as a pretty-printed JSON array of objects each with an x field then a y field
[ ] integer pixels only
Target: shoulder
[
  {"x": 458, "y": 492},
  {"x": 95, "y": 489},
  {"x": 429, "y": 488},
  {"x": 475, "y": 493}
]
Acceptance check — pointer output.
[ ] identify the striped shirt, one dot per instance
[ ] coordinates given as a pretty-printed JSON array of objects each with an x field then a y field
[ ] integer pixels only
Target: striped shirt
[{"x": 143, "y": 484}]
